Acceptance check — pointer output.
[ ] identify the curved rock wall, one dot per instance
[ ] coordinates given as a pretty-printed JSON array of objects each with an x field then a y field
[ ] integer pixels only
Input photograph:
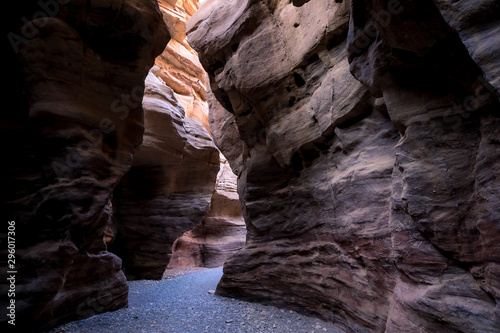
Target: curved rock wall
[
  {"x": 220, "y": 234},
  {"x": 169, "y": 187},
  {"x": 443, "y": 97},
  {"x": 365, "y": 137},
  {"x": 71, "y": 139},
  {"x": 179, "y": 66}
]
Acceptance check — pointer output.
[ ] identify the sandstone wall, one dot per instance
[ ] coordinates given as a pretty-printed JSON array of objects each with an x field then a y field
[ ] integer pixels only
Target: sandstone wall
[
  {"x": 179, "y": 66},
  {"x": 77, "y": 119},
  {"x": 441, "y": 90},
  {"x": 365, "y": 137},
  {"x": 169, "y": 187},
  {"x": 220, "y": 234}
]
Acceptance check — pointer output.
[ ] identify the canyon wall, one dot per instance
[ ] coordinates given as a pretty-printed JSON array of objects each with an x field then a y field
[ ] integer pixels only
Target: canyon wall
[
  {"x": 76, "y": 83},
  {"x": 365, "y": 136},
  {"x": 179, "y": 66},
  {"x": 220, "y": 234},
  {"x": 169, "y": 188}
]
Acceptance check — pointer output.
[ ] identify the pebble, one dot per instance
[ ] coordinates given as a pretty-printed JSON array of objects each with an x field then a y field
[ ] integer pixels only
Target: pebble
[{"x": 180, "y": 303}]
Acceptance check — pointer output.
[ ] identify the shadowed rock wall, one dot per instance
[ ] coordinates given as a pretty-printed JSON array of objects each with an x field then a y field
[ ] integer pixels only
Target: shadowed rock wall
[
  {"x": 440, "y": 85},
  {"x": 71, "y": 137},
  {"x": 365, "y": 138}
]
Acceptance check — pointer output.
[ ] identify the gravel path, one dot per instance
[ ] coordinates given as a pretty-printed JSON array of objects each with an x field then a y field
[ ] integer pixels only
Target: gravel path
[{"x": 186, "y": 304}]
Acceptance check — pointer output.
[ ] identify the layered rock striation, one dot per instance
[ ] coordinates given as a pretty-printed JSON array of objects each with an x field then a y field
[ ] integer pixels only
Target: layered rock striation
[
  {"x": 179, "y": 66},
  {"x": 171, "y": 185},
  {"x": 79, "y": 81},
  {"x": 168, "y": 190},
  {"x": 220, "y": 234},
  {"x": 441, "y": 89},
  {"x": 365, "y": 136}
]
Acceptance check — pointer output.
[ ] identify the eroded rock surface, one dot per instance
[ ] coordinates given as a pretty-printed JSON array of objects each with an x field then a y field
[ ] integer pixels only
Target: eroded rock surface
[
  {"x": 220, "y": 234},
  {"x": 445, "y": 211},
  {"x": 169, "y": 187},
  {"x": 69, "y": 141},
  {"x": 365, "y": 135},
  {"x": 179, "y": 66}
]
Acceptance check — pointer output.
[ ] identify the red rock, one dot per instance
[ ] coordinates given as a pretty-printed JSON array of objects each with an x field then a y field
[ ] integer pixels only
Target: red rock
[
  {"x": 220, "y": 234},
  {"x": 445, "y": 198},
  {"x": 365, "y": 138},
  {"x": 179, "y": 66},
  {"x": 70, "y": 145},
  {"x": 169, "y": 187}
]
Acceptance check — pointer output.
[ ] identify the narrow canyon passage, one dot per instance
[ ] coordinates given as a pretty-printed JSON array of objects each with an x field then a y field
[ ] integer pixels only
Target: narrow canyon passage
[
  {"x": 339, "y": 158},
  {"x": 186, "y": 304}
]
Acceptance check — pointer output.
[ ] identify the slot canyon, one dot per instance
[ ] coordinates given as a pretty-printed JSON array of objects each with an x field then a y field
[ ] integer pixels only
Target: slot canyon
[{"x": 340, "y": 159}]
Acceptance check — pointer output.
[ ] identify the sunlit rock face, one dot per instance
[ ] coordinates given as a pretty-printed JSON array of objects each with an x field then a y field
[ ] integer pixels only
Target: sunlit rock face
[
  {"x": 180, "y": 68},
  {"x": 69, "y": 140},
  {"x": 365, "y": 135},
  {"x": 220, "y": 234},
  {"x": 169, "y": 187}
]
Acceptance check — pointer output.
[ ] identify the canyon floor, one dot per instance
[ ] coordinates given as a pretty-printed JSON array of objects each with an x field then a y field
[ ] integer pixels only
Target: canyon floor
[{"x": 184, "y": 302}]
